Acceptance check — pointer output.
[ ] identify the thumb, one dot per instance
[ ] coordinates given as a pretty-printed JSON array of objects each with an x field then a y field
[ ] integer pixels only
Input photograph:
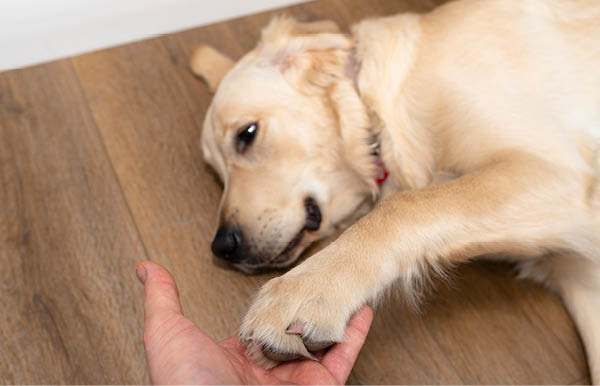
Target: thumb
[
  {"x": 161, "y": 296},
  {"x": 340, "y": 359}
]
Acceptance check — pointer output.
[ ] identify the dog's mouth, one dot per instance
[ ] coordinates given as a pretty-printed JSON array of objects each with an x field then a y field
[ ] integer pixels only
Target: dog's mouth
[
  {"x": 290, "y": 252},
  {"x": 286, "y": 256},
  {"x": 312, "y": 223}
]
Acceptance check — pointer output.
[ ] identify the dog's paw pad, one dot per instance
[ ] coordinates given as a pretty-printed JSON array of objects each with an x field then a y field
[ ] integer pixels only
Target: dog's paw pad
[
  {"x": 279, "y": 356},
  {"x": 317, "y": 346}
]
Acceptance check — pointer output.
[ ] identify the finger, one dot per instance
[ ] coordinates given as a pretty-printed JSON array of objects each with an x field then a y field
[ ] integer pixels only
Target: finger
[
  {"x": 340, "y": 359},
  {"x": 161, "y": 296}
]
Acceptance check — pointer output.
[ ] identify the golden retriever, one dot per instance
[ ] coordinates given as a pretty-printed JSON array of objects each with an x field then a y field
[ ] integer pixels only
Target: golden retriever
[{"x": 484, "y": 115}]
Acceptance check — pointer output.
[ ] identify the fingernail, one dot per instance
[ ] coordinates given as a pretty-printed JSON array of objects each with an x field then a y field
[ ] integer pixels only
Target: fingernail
[{"x": 141, "y": 273}]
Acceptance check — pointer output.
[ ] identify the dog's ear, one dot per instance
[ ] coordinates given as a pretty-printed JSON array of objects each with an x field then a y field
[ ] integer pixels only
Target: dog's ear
[
  {"x": 303, "y": 50},
  {"x": 210, "y": 65}
]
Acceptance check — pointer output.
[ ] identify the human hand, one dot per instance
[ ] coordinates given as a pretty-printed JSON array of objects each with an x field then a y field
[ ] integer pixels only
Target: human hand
[{"x": 178, "y": 352}]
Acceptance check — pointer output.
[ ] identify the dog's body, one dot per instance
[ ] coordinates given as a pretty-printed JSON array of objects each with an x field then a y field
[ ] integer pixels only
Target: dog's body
[{"x": 504, "y": 95}]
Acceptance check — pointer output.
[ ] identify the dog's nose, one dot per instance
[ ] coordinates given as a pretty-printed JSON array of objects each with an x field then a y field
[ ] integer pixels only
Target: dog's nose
[{"x": 228, "y": 243}]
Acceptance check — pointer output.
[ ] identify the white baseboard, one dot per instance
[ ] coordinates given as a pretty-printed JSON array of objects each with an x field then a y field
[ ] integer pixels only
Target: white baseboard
[{"x": 35, "y": 31}]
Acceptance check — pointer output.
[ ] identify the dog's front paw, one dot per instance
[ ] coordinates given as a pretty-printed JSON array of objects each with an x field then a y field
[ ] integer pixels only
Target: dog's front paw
[{"x": 295, "y": 315}]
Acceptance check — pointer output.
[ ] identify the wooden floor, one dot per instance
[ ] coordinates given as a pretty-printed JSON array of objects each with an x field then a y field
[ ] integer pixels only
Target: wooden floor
[{"x": 100, "y": 168}]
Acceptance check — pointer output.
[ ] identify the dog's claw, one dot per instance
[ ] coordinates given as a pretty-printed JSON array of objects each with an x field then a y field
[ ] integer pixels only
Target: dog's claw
[{"x": 295, "y": 328}]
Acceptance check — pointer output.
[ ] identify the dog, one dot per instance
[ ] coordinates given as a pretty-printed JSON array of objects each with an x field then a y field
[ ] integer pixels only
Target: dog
[{"x": 472, "y": 131}]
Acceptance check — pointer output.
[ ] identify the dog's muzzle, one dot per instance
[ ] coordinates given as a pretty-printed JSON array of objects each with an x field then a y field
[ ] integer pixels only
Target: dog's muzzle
[{"x": 228, "y": 243}]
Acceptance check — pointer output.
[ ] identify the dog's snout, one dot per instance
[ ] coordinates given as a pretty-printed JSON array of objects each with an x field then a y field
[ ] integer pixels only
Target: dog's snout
[
  {"x": 227, "y": 243},
  {"x": 313, "y": 214}
]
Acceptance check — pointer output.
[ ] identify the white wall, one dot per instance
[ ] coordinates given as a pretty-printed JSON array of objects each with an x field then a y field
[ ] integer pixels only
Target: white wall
[{"x": 34, "y": 31}]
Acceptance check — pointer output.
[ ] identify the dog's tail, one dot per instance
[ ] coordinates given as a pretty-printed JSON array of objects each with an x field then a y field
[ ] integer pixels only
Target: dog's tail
[{"x": 577, "y": 279}]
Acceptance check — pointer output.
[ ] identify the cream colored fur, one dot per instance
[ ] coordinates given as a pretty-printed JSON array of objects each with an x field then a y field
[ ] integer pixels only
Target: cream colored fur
[{"x": 505, "y": 95}]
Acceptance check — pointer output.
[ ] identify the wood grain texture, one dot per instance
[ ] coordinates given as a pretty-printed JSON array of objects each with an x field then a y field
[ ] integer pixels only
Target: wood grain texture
[
  {"x": 100, "y": 167},
  {"x": 67, "y": 242}
]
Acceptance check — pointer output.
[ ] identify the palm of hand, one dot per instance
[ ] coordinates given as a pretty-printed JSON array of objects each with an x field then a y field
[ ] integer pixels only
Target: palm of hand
[{"x": 178, "y": 352}]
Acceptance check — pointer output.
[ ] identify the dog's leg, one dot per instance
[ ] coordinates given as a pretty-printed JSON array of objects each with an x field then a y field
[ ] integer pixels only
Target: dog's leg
[{"x": 519, "y": 204}]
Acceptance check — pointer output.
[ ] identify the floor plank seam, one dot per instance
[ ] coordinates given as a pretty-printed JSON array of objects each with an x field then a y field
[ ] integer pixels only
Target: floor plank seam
[{"x": 112, "y": 165}]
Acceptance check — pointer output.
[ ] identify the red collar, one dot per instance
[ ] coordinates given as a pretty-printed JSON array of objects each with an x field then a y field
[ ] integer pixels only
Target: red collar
[{"x": 382, "y": 173}]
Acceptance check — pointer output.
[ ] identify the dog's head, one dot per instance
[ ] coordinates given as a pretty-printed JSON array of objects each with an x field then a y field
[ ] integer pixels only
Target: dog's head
[{"x": 289, "y": 136}]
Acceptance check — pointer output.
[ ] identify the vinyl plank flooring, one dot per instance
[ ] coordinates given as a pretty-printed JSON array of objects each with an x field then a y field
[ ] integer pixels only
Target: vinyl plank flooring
[
  {"x": 100, "y": 167},
  {"x": 68, "y": 245},
  {"x": 488, "y": 329}
]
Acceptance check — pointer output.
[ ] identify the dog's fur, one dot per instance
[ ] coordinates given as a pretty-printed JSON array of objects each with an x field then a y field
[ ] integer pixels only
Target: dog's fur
[{"x": 503, "y": 95}]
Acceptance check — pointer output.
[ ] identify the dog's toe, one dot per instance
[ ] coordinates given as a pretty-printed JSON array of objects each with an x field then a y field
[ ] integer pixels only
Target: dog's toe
[{"x": 293, "y": 317}]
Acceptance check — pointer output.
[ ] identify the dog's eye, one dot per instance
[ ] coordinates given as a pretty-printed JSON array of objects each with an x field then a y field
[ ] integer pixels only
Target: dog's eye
[{"x": 246, "y": 136}]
